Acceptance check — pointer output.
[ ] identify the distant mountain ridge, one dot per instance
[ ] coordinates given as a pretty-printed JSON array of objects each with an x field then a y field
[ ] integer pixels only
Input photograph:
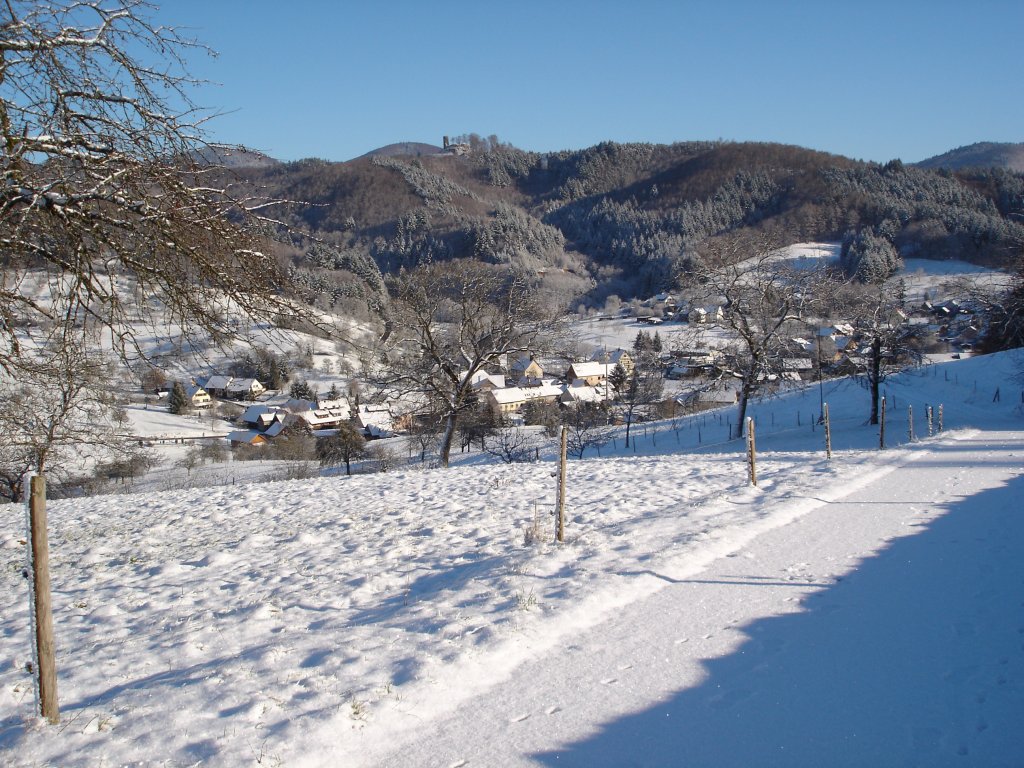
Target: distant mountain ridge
[
  {"x": 983, "y": 154},
  {"x": 234, "y": 157},
  {"x": 404, "y": 149},
  {"x": 616, "y": 219}
]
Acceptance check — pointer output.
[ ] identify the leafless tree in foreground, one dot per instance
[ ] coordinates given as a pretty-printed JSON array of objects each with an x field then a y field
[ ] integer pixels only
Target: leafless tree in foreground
[
  {"x": 765, "y": 299},
  {"x": 103, "y": 188},
  {"x": 451, "y": 321}
]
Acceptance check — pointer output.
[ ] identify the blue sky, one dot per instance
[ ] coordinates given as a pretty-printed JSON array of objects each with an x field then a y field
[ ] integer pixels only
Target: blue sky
[{"x": 869, "y": 80}]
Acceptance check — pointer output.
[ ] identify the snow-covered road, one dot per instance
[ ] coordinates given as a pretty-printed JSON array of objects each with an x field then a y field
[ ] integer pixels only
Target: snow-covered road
[{"x": 884, "y": 627}]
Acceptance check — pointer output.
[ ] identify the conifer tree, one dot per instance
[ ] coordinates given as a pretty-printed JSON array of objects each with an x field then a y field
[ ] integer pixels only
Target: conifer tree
[{"x": 177, "y": 401}]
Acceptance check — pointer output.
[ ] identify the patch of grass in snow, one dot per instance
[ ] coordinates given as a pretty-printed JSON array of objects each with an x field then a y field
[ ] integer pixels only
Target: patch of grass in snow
[
  {"x": 358, "y": 708},
  {"x": 531, "y": 531},
  {"x": 525, "y": 601},
  {"x": 263, "y": 758}
]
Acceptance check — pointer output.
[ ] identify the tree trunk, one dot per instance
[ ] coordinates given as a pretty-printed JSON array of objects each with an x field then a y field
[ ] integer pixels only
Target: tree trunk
[
  {"x": 446, "y": 439},
  {"x": 742, "y": 410},
  {"x": 874, "y": 376}
]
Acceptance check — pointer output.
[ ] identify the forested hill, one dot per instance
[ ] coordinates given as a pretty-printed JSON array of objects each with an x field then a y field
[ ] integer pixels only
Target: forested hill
[
  {"x": 984, "y": 154},
  {"x": 619, "y": 218}
]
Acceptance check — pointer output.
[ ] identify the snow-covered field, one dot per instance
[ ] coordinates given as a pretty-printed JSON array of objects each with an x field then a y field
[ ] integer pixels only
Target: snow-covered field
[{"x": 861, "y": 611}]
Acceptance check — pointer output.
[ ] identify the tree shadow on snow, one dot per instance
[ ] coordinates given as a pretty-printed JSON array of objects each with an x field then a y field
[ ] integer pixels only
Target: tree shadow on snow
[{"x": 914, "y": 658}]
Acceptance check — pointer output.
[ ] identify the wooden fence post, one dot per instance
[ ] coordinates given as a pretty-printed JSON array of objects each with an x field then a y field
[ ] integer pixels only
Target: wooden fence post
[
  {"x": 560, "y": 530},
  {"x": 752, "y": 451},
  {"x": 910, "y": 423},
  {"x": 928, "y": 413},
  {"x": 881, "y": 427},
  {"x": 45, "y": 650},
  {"x": 828, "y": 432},
  {"x": 940, "y": 417}
]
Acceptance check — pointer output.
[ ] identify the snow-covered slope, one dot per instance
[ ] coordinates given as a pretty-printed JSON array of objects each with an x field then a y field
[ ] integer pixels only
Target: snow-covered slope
[{"x": 860, "y": 611}]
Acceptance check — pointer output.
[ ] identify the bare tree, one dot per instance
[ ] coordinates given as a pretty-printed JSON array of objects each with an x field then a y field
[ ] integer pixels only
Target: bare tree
[
  {"x": 55, "y": 419},
  {"x": 346, "y": 446},
  {"x": 425, "y": 435},
  {"x": 640, "y": 389},
  {"x": 514, "y": 445},
  {"x": 893, "y": 343},
  {"x": 765, "y": 298},
  {"x": 449, "y": 321},
  {"x": 104, "y": 186},
  {"x": 192, "y": 459},
  {"x": 477, "y": 423},
  {"x": 586, "y": 427}
]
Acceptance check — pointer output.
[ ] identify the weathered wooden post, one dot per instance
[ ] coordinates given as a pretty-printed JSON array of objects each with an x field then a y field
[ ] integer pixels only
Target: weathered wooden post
[
  {"x": 910, "y": 423},
  {"x": 42, "y": 609},
  {"x": 828, "y": 432},
  {"x": 751, "y": 451},
  {"x": 940, "y": 417},
  {"x": 560, "y": 530},
  {"x": 881, "y": 426},
  {"x": 928, "y": 415}
]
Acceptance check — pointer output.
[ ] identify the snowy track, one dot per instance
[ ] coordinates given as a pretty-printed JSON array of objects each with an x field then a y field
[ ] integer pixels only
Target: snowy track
[{"x": 882, "y": 628}]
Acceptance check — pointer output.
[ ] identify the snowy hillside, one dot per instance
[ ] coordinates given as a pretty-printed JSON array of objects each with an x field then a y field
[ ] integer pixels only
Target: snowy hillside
[{"x": 861, "y": 611}]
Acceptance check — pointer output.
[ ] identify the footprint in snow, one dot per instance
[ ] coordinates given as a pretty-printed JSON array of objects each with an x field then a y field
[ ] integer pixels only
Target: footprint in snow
[
  {"x": 552, "y": 710},
  {"x": 520, "y": 718},
  {"x": 609, "y": 681}
]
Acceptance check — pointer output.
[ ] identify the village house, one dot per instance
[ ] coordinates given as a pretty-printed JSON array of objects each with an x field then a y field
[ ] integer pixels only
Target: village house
[
  {"x": 246, "y": 437},
  {"x": 803, "y": 367},
  {"x": 244, "y": 389},
  {"x": 701, "y": 315},
  {"x": 615, "y": 357},
  {"x": 525, "y": 370},
  {"x": 261, "y": 417},
  {"x": 215, "y": 384},
  {"x": 198, "y": 397},
  {"x": 378, "y": 420},
  {"x": 510, "y": 400},
  {"x": 721, "y": 394},
  {"x": 593, "y": 374},
  {"x": 505, "y": 402},
  {"x": 318, "y": 418},
  {"x": 579, "y": 392},
  {"x": 553, "y": 366},
  {"x": 482, "y": 381},
  {"x": 231, "y": 388}
]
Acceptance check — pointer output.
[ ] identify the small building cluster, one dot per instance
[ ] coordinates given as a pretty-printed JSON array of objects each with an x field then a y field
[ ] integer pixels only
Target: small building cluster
[{"x": 529, "y": 379}]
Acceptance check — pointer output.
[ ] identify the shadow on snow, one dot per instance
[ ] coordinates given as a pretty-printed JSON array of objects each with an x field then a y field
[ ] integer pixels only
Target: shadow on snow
[{"x": 914, "y": 658}]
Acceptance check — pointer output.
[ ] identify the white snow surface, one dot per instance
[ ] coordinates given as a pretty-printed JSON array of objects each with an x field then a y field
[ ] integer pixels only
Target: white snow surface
[{"x": 867, "y": 610}]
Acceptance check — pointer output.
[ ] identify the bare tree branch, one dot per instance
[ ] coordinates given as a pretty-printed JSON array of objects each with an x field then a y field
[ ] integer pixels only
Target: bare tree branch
[{"x": 102, "y": 190}]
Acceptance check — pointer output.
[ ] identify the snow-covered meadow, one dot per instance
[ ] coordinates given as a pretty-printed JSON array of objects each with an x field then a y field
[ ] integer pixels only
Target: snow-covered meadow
[{"x": 864, "y": 610}]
